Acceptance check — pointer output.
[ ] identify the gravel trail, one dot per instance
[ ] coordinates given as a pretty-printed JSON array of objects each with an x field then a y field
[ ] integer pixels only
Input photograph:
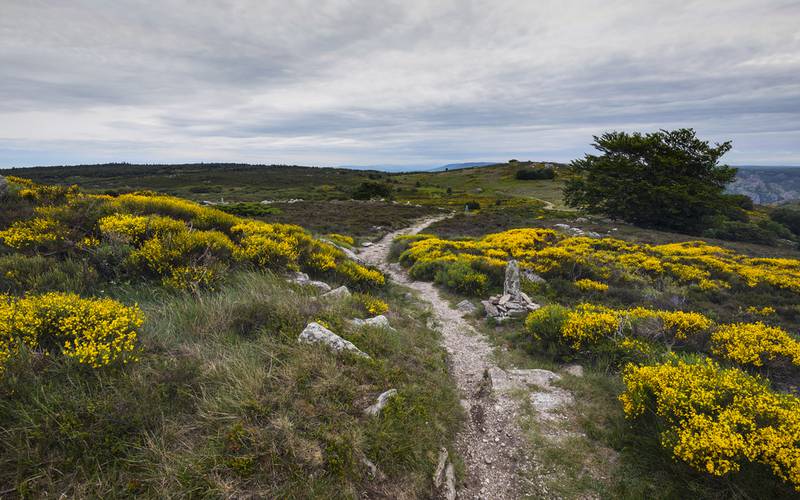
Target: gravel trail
[{"x": 491, "y": 444}]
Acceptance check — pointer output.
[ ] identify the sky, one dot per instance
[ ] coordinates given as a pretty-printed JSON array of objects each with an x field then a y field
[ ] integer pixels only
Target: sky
[{"x": 410, "y": 83}]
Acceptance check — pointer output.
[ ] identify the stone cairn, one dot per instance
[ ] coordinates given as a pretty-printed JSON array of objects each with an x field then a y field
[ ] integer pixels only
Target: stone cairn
[{"x": 513, "y": 302}]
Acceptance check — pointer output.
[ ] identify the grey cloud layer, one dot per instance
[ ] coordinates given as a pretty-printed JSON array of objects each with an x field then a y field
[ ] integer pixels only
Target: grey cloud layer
[{"x": 414, "y": 82}]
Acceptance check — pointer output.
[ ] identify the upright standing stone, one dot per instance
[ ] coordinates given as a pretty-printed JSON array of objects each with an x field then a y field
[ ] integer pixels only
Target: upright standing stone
[
  {"x": 511, "y": 287},
  {"x": 3, "y": 186}
]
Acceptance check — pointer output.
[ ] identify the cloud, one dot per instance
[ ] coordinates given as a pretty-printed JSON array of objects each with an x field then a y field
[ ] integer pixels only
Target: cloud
[{"x": 407, "y": 82}]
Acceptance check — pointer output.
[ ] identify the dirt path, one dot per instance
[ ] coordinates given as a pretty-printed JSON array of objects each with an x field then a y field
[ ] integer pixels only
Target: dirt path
[{"x": 492, "y": 444}]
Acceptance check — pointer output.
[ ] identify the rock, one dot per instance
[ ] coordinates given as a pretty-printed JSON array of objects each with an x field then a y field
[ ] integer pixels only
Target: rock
[
  {"x": 574, "y": 370},
  {"x": 466, "y": 307},
  {"x": 349, "y": 253},
  {"x": 533, "y": 277},
  {"x": 299, "y": 277},
  {"x": 321, "y": 285},
  {"x": 382, "y": 401},
  {"x": 563, "y": 227},
  {"x": 511, "y": 286},
  {"x": 450, "y": 483},
  {"x": 525, "y": 298},
  {"x": 340, "y": 293},
  {"x": 374, "y": 472},
  {"x": 367, "y": 244},
  {"x": 581, "y": 220},
  {"x": 592, "y": 234},
  {"x": 490, "y": 308},
  {"x": 3, "y": 187},
  {"x": 380, "y": 321},
  {"x": 438, "y": 474},
  {"x": 315, "y": 333}
]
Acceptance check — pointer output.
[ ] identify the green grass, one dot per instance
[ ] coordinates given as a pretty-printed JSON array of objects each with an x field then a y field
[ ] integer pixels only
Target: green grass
[{"x": 226, "y": 403}]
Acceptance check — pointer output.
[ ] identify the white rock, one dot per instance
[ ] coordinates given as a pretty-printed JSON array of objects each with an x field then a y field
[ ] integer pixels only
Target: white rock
[
  {"x": 321, "y": 285},
  {"x": 340, "y": 293},
  {"x": 438, "y": 475},
  {"x": 466, "y": 307},
  {"x": 382, "y": 401},
  {"x": 532, "y": 276},
  {"x": 561, "y": 226},
  {"x": 574, "y": 370},
  {"x": 367, "y": 244},
  {"x": 379, "y": 321},
  {"x": 315, "y": 333}
]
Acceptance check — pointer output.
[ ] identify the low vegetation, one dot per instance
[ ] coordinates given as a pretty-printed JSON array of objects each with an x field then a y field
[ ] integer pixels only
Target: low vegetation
[{"x": 149, "y": 347}]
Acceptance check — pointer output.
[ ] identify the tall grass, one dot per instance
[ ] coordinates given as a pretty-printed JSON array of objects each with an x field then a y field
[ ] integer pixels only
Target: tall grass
[{"x": 226, "y": 403}]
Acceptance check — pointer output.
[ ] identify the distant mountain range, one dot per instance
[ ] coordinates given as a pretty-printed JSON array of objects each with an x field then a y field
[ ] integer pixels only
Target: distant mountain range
[{"x": 767, "y": 185}]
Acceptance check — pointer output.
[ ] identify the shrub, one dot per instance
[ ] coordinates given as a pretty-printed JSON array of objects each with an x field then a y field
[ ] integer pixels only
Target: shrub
[
  {"x": 472, "y": 205},
  {"x": 789, "y": 217},
  {"x": 754, "y": 344},
  {"x": 535, "y": 174},
  {"x": 370, "y": 190},
  {"x": 460, "y": 277},
  {"x": 587, "y": 285},
  {"x": 717, "y": 419},
  {"x": 546, "y": 322},
  {"x": 96, "y": 332}
]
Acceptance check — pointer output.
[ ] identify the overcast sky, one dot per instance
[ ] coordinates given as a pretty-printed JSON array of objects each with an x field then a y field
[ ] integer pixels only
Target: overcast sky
[{"x": 391, "y": 83}]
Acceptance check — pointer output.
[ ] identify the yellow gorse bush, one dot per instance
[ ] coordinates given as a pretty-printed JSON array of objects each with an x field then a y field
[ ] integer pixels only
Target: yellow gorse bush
[
  {"x": 754, "y": 343},
  {"x": 96, "y": 332},
  {"x": 717, "y": 419},
  {"x": 33, "y": 233},
  {"x": 587, "y": 285}
]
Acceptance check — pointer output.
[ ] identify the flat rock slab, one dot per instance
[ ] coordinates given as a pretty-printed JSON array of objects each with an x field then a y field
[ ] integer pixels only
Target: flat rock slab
[{"x": 315, "y": 333}]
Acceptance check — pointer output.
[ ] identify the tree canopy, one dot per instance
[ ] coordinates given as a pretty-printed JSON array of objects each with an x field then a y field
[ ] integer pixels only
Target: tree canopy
[{"x": 668, "y": 179}]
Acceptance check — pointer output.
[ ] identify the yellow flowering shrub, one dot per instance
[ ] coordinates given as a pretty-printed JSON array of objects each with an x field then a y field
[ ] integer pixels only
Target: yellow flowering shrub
[
  {"x": 371, "y": 305},
  {"x": 33, "y": 233},
  {"x": 761, "y": 311},
  {"x": 588, "y": 323},
  {"x": 95, "y": 332},
  {"x": 587, "y": 285},
  {"x": 717, "y": 419},
  {"x": 754, "y": 343}
]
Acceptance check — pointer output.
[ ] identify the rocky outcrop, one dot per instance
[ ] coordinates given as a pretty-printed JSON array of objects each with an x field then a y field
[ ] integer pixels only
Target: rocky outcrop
[
  {"x": 315, "y": 333},
  {"x": 382, "y": 401},
  {"x": 513, "y": 302},
  {"x": 340, "y": 293}
]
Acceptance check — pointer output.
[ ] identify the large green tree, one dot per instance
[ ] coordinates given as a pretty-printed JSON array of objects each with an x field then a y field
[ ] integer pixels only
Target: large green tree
[{"x": 667, "y": 179}]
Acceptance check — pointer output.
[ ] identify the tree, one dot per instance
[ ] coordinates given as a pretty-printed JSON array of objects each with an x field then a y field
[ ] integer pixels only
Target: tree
[
  {"x": 667, "y": 179},
  {"x": 369, "y": 190}
]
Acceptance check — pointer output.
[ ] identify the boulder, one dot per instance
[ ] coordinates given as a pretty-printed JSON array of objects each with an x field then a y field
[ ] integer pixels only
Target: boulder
[
  {"x": 340, "y": 293},
  {"x": 466, "y": 307},
  {"x": 315, "y": 333},
  {"x": 380, "y": 321},
  {"x": 382, "y": 401}
]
